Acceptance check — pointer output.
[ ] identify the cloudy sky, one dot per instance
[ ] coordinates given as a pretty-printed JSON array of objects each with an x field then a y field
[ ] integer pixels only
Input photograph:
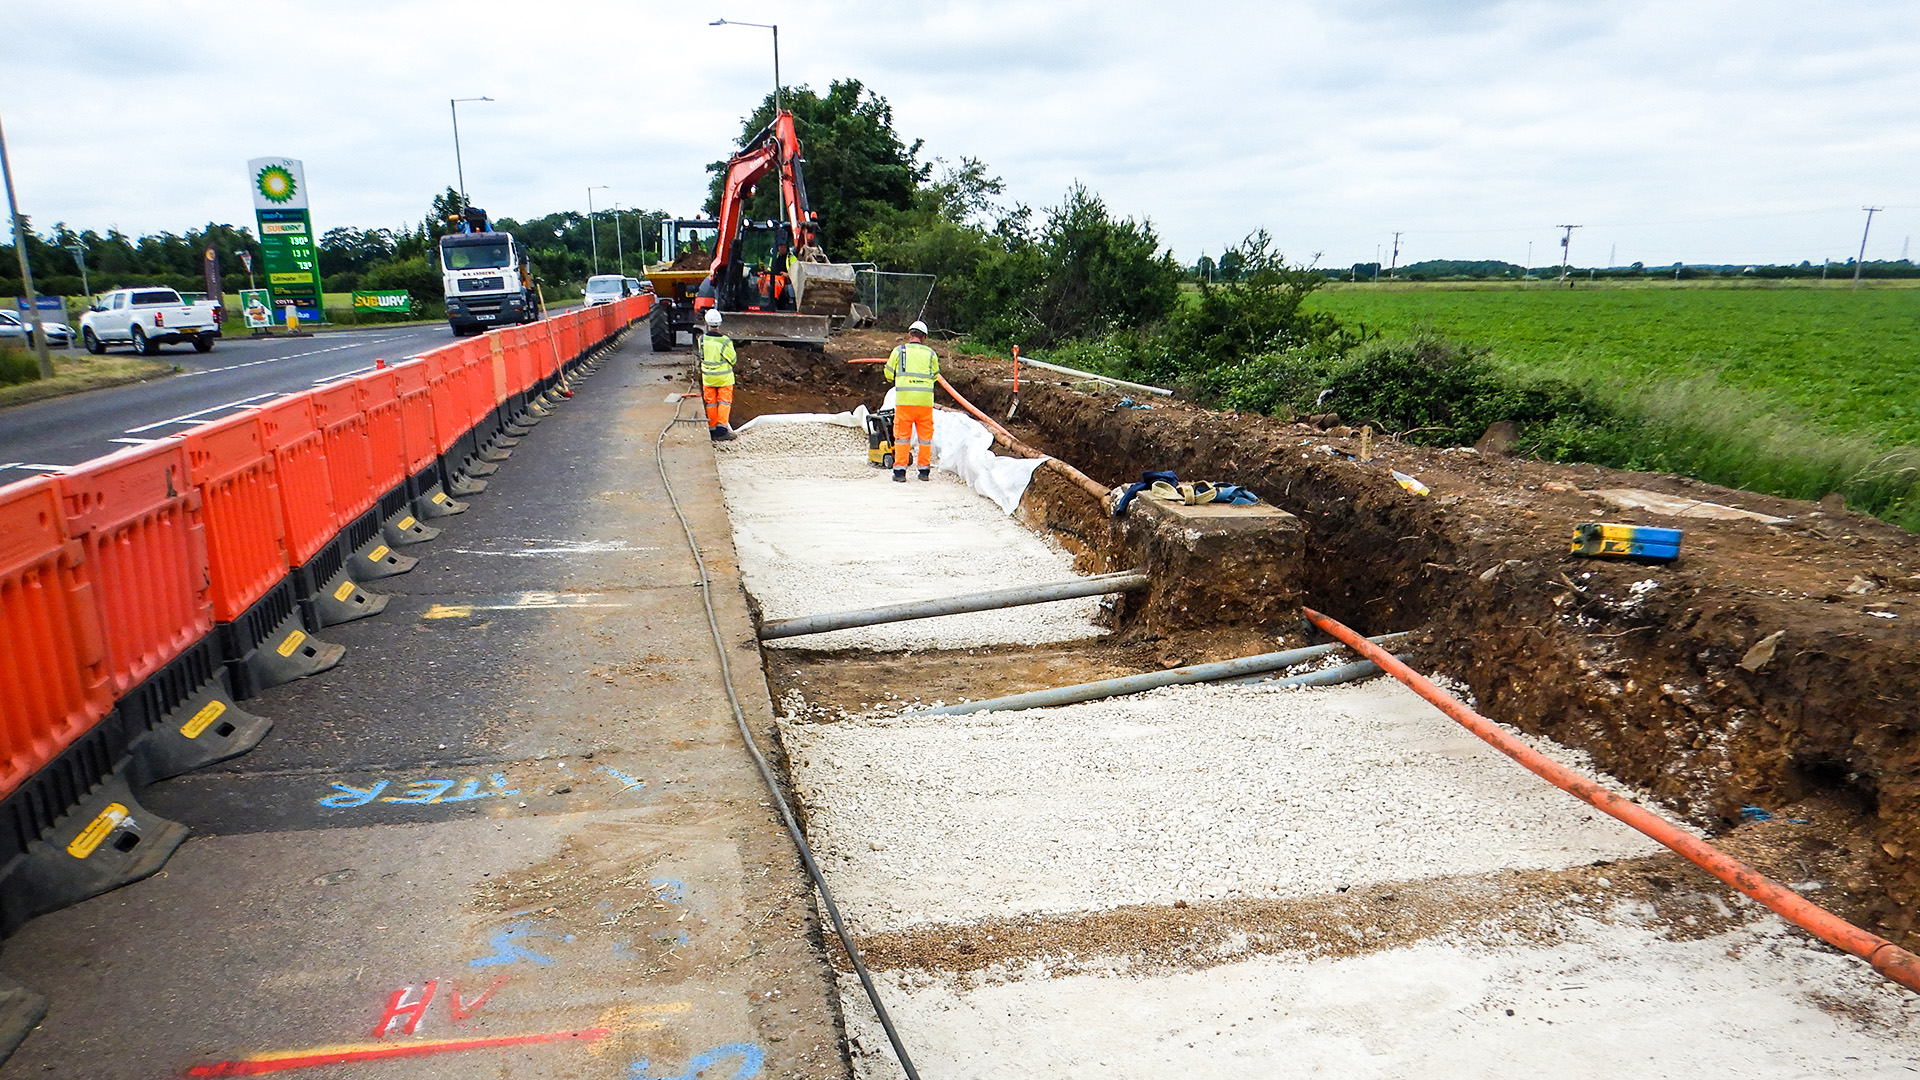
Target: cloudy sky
[{"x": 1749, "y": 131}]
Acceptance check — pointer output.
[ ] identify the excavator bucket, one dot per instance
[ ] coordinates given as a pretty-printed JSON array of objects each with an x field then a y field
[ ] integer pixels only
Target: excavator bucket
[
  {"x": 822, "y": 288},
  {"x": 780, "y": 328}
]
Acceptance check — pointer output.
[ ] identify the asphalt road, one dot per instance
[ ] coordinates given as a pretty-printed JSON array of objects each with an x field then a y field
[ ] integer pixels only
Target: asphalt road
[{"x": 238, "y": 372}]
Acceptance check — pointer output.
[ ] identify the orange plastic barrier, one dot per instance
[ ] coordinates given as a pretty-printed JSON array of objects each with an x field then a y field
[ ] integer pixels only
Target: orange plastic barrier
[
  {"x": 413, "y": 380},
  {"x": 338, "y": 411},
  {"x": 138, "y": 517},
  {"x": 229, "y": 465},
  {"x": 386, "y": 446},
  {"x": 289, "y": 432},
  {"x": 53, "y": 666},
  {"x": 1887, "y": 958}
]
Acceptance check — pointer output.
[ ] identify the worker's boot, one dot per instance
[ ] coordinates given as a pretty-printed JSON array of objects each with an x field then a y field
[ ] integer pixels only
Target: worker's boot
[
  {"x": 926, "y": 474},
  {"x": 726, "y": 433},
  {"x": 899, "y": 476}
]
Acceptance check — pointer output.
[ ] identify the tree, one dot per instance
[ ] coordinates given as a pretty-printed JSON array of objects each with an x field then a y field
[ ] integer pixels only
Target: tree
[{"x": 856, "y": 166}]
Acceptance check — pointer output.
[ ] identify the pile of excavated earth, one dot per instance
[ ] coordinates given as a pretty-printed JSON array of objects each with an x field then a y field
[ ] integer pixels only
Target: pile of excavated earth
[{"x": 1249, "y": 879}]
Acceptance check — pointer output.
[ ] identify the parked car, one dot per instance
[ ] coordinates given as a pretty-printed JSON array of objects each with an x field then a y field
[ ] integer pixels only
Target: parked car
[
  {"x": 147, "y": 319},
  {"x": 15, "y": 328},
  {"x": 605, "y": 289}
]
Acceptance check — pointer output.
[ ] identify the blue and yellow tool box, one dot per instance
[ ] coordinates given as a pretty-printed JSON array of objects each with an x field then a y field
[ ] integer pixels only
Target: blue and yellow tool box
[{"x": 1636, "y": 541}]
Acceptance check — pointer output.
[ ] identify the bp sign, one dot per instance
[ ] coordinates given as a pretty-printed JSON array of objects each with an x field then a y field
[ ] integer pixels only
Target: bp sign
[{"x": 288, "y": 257}]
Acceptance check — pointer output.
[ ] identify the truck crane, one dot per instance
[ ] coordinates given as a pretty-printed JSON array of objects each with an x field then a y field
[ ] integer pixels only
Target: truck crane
[{"x": 792, "y": 297}]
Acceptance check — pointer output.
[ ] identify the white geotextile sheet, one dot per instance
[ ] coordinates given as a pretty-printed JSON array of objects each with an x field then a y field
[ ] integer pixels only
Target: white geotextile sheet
[{"x": 961, "y": 445}]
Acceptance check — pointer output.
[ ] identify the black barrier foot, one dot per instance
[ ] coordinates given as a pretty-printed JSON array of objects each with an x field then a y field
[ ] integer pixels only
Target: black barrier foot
[
  {"x": 288, "y": 653},
  {"x": 342, "y": 600},
  {"x": 464, "y": 487},
  {"x": 21, "y": 1010},
  {"x": 403, "y": 528},
  {"x": 502, "y": 442},
  {"x": 489, "y": 454},
  {"x": 107, "y": 840},
  {"x": 482, "y": 467},
  {"x": 436, "y": 504},
  {"x": 376, "y": 559},
  {"x": 205, "y": 728}
]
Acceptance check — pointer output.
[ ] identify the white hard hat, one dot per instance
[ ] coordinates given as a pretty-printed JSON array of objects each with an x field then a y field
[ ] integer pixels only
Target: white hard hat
[
  {"x": 918, "y": 327},
  {"x": 713, "y": 316}
]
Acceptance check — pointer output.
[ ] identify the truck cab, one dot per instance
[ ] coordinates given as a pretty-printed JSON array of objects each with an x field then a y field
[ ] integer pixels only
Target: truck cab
[{"x": 487, "y": 281}]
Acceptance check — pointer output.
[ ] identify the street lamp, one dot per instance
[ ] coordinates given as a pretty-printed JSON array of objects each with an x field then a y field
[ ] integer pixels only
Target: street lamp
[
  {"x": 453, "y": 105},
  {"x": 620, "y": 248},
  {"x": 20, "y": 235},
  {"x": 591, "y": 230},
  {"x": 779, "y": 103},
  {"x": 80, "y": 254}
]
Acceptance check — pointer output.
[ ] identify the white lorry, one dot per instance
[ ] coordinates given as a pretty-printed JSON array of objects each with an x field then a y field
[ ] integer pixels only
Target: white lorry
[{"x": 147, "y": 319}]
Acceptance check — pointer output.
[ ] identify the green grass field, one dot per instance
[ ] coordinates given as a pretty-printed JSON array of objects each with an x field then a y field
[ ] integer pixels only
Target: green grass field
[{"x": 1844, "y": 360}]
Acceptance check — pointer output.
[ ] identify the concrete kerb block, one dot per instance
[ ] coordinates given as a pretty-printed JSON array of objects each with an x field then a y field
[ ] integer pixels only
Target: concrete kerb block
[{"x": 105, "y": 841}]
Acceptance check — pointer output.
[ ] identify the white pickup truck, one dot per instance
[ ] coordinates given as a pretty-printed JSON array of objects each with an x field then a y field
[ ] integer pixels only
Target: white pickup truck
[{"x": 147, "y": 319}]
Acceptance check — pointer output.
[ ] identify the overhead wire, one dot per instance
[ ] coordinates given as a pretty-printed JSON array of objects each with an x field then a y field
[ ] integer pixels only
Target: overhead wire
[{"x": 760, "y": 761}]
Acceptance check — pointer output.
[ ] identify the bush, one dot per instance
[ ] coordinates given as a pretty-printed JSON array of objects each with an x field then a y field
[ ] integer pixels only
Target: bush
[
  {"x": 17, "y": 365},
  {"x": 417, "y": 275}
]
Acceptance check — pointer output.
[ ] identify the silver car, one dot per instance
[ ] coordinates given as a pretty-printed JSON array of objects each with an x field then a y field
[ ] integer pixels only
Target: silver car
[{"x": 15, "y": 328}]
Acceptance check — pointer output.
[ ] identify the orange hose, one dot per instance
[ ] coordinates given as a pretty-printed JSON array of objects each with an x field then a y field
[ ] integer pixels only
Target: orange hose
[{"x": 1887, "y": 958}]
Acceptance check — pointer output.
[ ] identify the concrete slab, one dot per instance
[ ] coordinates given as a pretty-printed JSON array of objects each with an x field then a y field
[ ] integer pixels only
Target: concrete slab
[{"x": 526, "y": 770}]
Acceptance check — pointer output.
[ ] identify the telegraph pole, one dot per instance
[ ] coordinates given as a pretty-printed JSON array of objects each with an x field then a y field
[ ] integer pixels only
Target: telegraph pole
[
  {"x": 26, "y": 271},
  {"x": 1395, "y": 265},
  {"x": 1566, "y": 248},
  {"x": 1862, "y": 258}
]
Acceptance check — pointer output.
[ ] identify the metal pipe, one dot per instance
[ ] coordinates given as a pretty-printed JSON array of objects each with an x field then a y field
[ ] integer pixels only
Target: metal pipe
[
  {"x": 1077, "y": 373},
  {"x": 954, "y": 605},
  {"x": 1345, "y": 673},
  {"x": 1270, "y": 678},
  {"x": 1887, "y": 958},
  {"x": 1135, "y": 684}
]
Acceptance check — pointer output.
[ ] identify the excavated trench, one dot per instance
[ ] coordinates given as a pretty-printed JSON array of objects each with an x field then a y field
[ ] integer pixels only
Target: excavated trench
[
  {"x": 1650, "y": 669},
  {"x": 1340, "y": 852}
]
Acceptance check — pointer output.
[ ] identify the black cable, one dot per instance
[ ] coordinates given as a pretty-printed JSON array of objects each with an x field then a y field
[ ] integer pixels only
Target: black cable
[{"x": 766, "y": 771}]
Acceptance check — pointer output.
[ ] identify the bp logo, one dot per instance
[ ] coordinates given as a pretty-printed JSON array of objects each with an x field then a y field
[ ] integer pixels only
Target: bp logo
[{"x": 275, "y": 183}]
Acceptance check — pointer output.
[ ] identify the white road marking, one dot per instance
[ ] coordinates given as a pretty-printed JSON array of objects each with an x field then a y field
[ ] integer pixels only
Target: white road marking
[
  {"x": 534, "y": 548},
  {"x": 189, "y": 418},
  {"x": 293, "y": 356},
  {"x": 32, "y": 466},
  {"x": 134, "y": 442}
]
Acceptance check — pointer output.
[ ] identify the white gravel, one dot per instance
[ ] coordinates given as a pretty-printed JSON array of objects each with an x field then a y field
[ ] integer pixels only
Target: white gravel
[
  {"x": 1614, "y": 1002},
  {"x": 817, "y": 529},
  {"x": 1186, "y": 793}
]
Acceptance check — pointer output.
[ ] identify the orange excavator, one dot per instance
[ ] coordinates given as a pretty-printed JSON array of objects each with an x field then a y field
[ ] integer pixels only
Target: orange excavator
[{"x": 793, "y": 296}]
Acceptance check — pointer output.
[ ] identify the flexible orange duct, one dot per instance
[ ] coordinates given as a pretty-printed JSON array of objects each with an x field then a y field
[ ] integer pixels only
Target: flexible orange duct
[{"x": 1887, "y": 958}]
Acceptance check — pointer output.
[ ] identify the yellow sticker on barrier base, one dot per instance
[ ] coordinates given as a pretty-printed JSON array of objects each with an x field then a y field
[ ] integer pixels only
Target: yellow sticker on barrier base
[
  {"x": 378, "y": 553},
  {"x": 97, "y": 830},
  {"x": 440, "y": 496},
  {"x": 192, "y": 728},
  {"x": 293, "y": 641},
  {"x": 345, "y": 590},
  {"x": 407, "y": 523}
]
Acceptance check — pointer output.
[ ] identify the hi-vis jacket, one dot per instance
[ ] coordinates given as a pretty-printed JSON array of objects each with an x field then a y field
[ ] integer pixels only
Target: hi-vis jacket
[
  {"x": 913, "y": 368},
  {"x": 716, "y": 360}
]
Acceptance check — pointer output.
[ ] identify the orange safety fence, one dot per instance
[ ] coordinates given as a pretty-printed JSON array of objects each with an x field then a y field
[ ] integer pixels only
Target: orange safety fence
[
  {"x": 53, "y": 667},
  {"x": 413, "y": 380},
  {"x": 137, "y": 516},
  {"x": 343, "y": 423},
  {"x": 290, "y": 433},
  {"x": 386, "y": 445},
  {"x": 229, "y": 465}
]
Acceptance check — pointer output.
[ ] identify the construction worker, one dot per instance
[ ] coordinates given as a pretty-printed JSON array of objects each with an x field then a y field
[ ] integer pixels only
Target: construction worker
[
  {"x": 913, "y": 367},
  {"x": 716, "y": 378}
]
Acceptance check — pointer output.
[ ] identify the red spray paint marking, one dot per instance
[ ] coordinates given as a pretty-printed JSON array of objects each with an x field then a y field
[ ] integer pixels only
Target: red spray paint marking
[
  {"x": 283, "y": 1061},
  {"x": 463, "y": 1009},
  {"x": 407, "y": 1014}
]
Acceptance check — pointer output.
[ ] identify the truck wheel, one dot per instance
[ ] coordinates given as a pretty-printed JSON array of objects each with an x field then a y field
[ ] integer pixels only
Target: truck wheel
[
  {"x": 93, "y": 342},
  {"x": 660, "y": 333},
  {"x": 203, "y": 343},
  {"x": 142, "y": 344}
]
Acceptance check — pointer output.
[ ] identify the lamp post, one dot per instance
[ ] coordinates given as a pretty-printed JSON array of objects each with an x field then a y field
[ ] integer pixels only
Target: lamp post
[
  {"x": 591, "y": 230},
  {"x": 26, "y": 271},
  {"x": 453, "y": 105},
  {"x": 80, "y": 255},
  {"x": 619, "y": 247},
  {"x": 779, "y": 102}
]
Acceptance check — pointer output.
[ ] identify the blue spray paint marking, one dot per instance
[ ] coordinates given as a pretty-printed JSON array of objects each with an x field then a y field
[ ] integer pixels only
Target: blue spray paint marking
[
  {"x": 750, "y": 1055},
  {"x": 628, "y": 782},
  {"x": 417, "y": 792},
  {"x": 672, "y": 890},
  {"x": 623, "y": 950},
  {"x": 675, "y": 940},
  {"x": 508, "y": 948}
]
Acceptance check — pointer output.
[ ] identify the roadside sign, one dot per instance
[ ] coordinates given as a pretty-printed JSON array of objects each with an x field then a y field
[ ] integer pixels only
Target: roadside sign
[
  {"x": 287, "y": 253},
  {"x": 216, "y": 289},
  {"x": 257, "y": 305},
  {"x": 398, "y": 301},
  {"x": 45, "y": 303}
]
